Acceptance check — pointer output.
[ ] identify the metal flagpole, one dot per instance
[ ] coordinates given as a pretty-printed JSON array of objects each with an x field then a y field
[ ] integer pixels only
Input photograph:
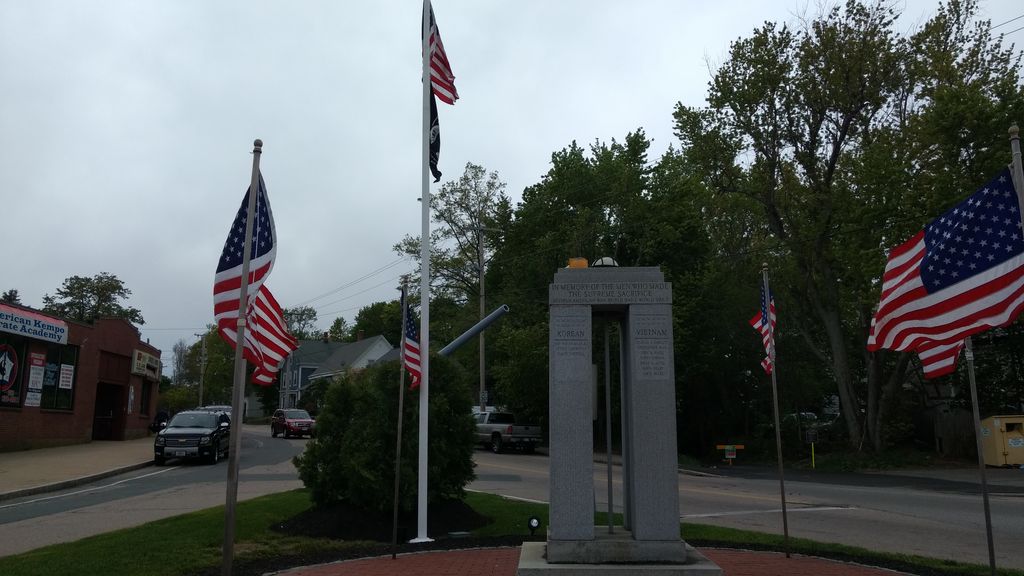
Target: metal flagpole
[
  {"x": 238, "y": 393},
  {"x": 1017, "y": 172},
  {"x": 401, "y": 412},
  {"x": 775, "y": 404},
  {"x": 608, "y": 419},
  {"x": 969, "y": 352},
  {"x": 421, "y": 496}
]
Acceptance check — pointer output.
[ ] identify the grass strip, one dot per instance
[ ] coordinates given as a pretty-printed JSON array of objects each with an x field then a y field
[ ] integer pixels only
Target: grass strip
[{"x": 191, "y": 543}]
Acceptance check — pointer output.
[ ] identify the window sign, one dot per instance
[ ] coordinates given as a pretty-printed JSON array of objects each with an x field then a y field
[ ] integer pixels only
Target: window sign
[
  {"x": 67, "y": 376},
  {"x": 10, "y": 392},
  {"x": 50, "y": 375},
  {"x": 37, "y": 366}
]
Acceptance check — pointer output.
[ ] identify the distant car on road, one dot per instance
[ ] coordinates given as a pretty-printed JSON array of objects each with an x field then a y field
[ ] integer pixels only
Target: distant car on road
[
  {"x": 499, "y": 430},
  {"x": 193, "y": 434},
  {"x": 292, "y": 422},
  {"x": 225, "y": 408}
]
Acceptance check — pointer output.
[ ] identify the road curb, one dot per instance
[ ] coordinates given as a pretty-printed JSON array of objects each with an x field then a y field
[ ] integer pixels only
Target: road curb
[{"x": 53, "y": 487}]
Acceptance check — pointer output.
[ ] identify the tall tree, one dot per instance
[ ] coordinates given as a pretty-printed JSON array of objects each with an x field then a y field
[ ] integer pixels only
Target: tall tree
[
  {"x": 468, "y": 213},
  {"x": 339, "y": 330},
  {"x": 301, "y": 322},
  {"x": 378, "y": 319},
  {"x": 86, "y": 299},
  {"x": 848, "y": 137},
  {"x": 179, "y": 356},
  {"x": 11, "y": 297}
]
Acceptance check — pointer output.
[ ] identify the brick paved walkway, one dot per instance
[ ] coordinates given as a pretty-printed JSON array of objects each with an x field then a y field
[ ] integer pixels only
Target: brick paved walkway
[{"x": 503, "y": 562}]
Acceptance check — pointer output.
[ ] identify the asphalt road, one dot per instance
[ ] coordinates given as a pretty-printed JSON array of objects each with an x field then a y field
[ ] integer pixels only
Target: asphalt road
[
  {"x": 939, "y": 518},
  {"x": 148, "y": 494},
  {"x": 929, "y": 517}
]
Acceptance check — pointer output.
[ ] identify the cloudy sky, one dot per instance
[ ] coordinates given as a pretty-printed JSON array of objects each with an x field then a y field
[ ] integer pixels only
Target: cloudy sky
[{"x": 126, "y": 127}]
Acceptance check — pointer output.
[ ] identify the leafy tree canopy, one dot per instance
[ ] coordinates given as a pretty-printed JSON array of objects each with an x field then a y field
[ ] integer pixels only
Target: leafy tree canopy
[
  {"x": 11, "y": 297},
  {"x": 86, "y": 299},
  {"x": 301, "y": 322}
]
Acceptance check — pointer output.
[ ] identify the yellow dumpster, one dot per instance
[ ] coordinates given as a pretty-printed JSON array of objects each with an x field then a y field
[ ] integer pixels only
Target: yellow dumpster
[{"x": 1002, "y": 440}]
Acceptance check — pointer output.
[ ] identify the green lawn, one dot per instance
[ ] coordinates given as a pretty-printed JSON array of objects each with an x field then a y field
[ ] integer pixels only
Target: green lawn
[{"x": 192, "y": 542}]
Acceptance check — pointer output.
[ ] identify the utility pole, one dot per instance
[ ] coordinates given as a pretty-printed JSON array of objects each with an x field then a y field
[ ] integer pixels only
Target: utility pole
[{"x": 202, "y": 367}]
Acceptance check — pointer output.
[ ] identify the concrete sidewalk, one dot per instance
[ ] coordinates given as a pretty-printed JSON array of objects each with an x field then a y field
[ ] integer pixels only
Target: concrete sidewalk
[{"x": 41, "y": 470}]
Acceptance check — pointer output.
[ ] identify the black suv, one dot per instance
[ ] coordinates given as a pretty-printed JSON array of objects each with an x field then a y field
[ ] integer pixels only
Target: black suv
[{"x": 193, "y": 434}]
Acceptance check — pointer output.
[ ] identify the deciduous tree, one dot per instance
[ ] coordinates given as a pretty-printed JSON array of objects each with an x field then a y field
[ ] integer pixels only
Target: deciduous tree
[{"x": 86, "y": 299}]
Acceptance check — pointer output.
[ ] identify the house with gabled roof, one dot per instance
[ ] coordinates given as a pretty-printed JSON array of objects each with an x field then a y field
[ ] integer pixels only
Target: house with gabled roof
[{"x": 319, "y": 359}]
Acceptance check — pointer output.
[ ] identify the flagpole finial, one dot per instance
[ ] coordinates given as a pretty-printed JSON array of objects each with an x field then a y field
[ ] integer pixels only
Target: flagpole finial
[
  {"x": 258, "y": 144},
  {"x": 764, "y": 266},
  {"x": 1014, "y": 130}
]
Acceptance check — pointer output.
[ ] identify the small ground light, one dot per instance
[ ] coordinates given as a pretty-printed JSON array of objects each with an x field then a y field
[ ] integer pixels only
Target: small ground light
[{"x": 533, "y": 523}]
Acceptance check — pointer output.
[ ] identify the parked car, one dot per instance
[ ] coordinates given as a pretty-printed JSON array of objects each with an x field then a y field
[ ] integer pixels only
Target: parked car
[
  {"x": 499, "y": 430},
  {"x": 292, "y": 422},
  {"x": 193, "y": 434},
  {"x": 225, "y": 408}
]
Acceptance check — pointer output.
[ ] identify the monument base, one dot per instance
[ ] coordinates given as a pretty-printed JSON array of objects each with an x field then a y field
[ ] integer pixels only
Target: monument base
[
  {"x": 618, "y": 547},
  {"x": 533, "y": 563}
]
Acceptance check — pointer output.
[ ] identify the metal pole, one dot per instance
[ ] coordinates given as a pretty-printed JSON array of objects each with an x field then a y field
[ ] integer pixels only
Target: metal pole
[
  {"x": 625, "y": 434},
  {"x": 981, "y": 458},
  {"x": 480, "y": 267},
  {"x": 775, "y": 405},
  {"x": 1017, "y": 172},
  {"x": 421, "y": 485},
  {"x": 238, "y": 393},
  {"x": 608, "y": 419},
  {"x": 202, "y": 367},
  {"x": 401, "y": 414}
]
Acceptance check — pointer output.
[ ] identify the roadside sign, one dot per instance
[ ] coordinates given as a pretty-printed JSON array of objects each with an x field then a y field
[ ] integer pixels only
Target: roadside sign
[{"x": 730, "y": 450}]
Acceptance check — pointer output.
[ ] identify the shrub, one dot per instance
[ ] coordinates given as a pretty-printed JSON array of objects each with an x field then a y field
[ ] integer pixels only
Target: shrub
[{"x": 352, "y": 458}]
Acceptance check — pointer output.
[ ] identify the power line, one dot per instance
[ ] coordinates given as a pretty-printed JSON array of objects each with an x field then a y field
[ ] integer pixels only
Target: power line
[
  {"x": 1007, "y": 22},
  {"x": 1014, "y": 30},
  {"x": 391, "y": 264}
]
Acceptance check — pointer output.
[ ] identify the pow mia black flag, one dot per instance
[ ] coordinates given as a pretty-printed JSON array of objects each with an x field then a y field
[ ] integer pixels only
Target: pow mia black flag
[{"x": 435, "y": 139}]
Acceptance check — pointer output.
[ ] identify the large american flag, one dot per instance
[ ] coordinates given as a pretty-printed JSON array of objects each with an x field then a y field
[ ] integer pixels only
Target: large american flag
[
  {"x": 442, "y": 80},
  {"x": 767, "y": 334},
  {"x": 410, "y": 344},
  {"x": 961, "y": 275},
  {"x": 267, "y": 341},
  {"x": 442, "y": 85}
]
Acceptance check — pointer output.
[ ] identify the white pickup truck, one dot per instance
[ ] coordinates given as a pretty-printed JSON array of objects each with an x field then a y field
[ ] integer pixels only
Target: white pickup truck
[{"x": 498, "y": 431}]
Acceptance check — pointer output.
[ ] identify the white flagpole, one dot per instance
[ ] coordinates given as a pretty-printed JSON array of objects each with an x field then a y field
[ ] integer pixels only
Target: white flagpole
[
  {"x": 238, "y": 394},
  {"x": 421, "y": 496},
  {"x": 767, "y": 317}
]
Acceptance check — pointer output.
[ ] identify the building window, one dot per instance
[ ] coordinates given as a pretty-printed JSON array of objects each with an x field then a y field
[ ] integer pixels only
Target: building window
[
  {"x": 147, "y": 395},
  {"x": 59, "y": 378}
]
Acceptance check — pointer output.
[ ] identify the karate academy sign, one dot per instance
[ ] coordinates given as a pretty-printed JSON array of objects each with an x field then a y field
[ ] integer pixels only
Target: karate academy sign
[{"x": 32, "y": 325}]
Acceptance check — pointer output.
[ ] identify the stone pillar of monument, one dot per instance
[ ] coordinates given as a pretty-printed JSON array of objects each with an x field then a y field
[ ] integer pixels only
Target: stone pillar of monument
[{"x": 642, "y": 302}]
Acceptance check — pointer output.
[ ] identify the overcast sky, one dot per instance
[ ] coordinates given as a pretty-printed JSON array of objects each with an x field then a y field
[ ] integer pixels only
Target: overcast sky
[{"x": 126, "y": 126}]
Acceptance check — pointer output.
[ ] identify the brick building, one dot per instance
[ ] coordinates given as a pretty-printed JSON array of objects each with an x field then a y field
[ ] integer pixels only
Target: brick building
[{"x": 67, "y": 382}]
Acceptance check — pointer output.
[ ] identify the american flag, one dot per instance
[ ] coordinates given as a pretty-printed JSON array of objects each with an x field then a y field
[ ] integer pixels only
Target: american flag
[
  {"x": 267, "y": 341},
  {"x": 961, "y": 275},
  {"x": 411, "y": 345},
  {"x": 938, "y": 359},
  {"x": 767, "y": 335},
  {"x": 442, "y": 80}
]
